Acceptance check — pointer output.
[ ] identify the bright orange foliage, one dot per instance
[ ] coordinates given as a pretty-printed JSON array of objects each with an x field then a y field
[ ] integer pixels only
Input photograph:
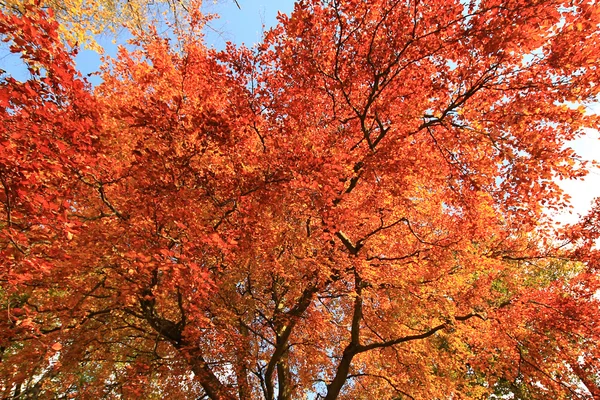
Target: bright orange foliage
[{"x": 354, "y": 210}]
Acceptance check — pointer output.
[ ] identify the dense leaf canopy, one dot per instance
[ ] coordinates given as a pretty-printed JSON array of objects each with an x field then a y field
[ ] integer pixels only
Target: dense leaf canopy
[{"x": 354, "y": 209}]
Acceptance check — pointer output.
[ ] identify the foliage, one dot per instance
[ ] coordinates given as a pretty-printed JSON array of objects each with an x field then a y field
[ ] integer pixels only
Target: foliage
[
  {"x": 82, "y": 21},
  {"x": 355, "y": 209}
]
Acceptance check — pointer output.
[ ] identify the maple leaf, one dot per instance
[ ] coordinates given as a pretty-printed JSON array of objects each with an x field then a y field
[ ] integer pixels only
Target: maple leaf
[{"x": 354, "y": 210}]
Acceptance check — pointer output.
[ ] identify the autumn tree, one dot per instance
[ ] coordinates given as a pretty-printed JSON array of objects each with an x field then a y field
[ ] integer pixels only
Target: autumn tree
[
  {"x": 355, "y": 209},
  {"x": 83, "y": 21}
]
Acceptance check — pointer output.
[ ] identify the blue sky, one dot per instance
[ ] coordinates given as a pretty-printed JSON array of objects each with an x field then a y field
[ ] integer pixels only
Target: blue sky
[{"x": 243, "y": 25}]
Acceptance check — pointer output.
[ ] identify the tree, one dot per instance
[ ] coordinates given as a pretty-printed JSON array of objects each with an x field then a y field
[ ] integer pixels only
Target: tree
[
  {"x": 354, "y": 209},
  {"x": 83, "y": 21}
]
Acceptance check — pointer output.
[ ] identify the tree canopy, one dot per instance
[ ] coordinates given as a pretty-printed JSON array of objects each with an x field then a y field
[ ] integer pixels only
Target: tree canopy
[
  {"x": 357, "y": 208},
  {"x": 82, "y": 21}
]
